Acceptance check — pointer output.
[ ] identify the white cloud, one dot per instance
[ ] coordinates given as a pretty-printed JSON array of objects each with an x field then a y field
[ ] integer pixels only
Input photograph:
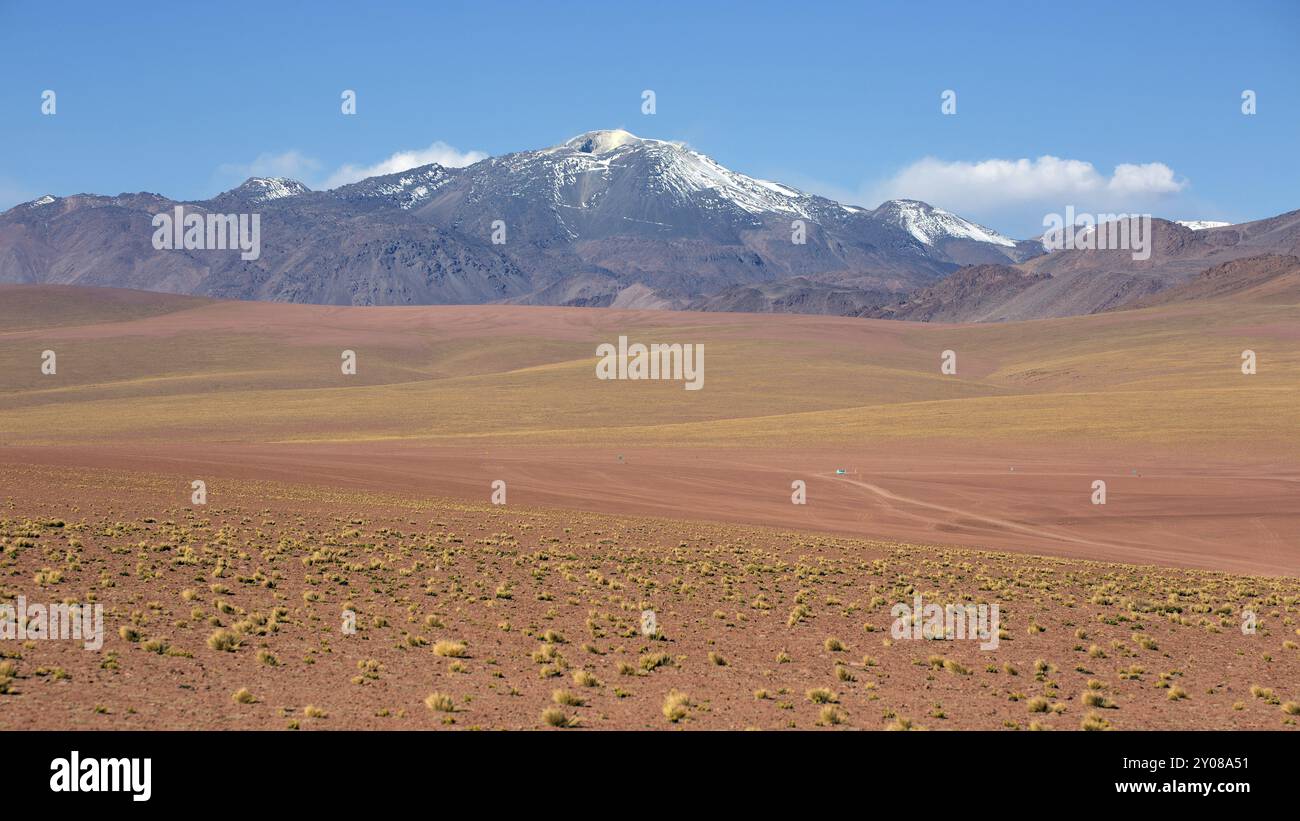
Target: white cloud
[
  {"x": 293, "y": 164},
  {"x": 439, "y": 152},
  {"x": 296, "y": 165},
  {"x": 1014, "y": 195},
  {"x": 1149, "y": 178},
  {"x": 994, "y": 184}
]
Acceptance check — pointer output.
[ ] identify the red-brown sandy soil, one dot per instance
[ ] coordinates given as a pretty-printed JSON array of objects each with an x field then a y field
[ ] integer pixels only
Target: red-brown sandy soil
[
  {"x": 1176, "y": 511},
  {"x": 759, "y": 627}
]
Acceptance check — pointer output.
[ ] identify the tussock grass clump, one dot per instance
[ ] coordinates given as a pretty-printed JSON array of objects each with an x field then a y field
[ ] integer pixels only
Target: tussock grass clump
[
  {"x": 242, "y": 696},
  {"x": 555, "y": 717},
  {"x": 582, "y": 678},
  {"x": 223, "y": 641},
  {"x": 440, "y": 703},
  {"x": 653, "y": 661},
  {"x": 566, "y": 699},
  {"x": 676, "y": 706},
  {"x": 312, "y": 711},
  {"x": 1265, "y": 693},
  {"x": 956, "y": 667},
  {"x": 1094, "y": 722},
  {"x": 833, "y": 645},
  {"x": 1145, "y": 642},
  {"x": 797, "y": 614},
  {"x": 128, "y": 633},
  {"x": 546, "y": 653},
  {"x": 830, "y": 716},
  {"x": 451, "y": 649},
  {"x": 822, "y": 695}
]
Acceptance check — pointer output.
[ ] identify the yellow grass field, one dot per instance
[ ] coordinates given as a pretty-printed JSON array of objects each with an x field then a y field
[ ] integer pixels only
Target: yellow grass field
[{"x": 468, "y": 375}]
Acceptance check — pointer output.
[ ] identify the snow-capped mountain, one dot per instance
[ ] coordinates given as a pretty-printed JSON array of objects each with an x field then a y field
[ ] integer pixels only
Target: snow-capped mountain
[
  {"x": 254, "y": 193},
  {"x": 675, "y": 172},
  {"x": 607, "y": 210},
  {"x": 257, "y": 190},
  {"x": 932, "y": 225},
  {"x": 605, "y": 217},
  {"x": 613, "y": 174},
  {"x": 1201, "y": 225}
]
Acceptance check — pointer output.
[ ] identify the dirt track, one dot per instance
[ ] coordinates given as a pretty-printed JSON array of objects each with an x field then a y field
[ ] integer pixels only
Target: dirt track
[{"x": 1236, "y": 517}]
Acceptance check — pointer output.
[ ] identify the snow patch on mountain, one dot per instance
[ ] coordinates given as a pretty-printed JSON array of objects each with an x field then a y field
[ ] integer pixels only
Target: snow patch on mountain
[
  {"x": 929, "y": 225},
  {"x": 1201, "y": 225},
  {"x": 405, "y": 189},
  {"x": 265, "y": 189}
]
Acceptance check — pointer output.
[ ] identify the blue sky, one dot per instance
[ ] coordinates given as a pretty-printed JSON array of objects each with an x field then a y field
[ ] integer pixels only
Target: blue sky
[{"x": 838, "y": 98}]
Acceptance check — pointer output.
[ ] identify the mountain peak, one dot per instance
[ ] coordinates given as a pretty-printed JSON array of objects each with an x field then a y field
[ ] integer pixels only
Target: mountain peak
[
  {"x": 929, "y": 225},
  {"x": 264, "y": 189},
  {"x": 602, "y": 142}
]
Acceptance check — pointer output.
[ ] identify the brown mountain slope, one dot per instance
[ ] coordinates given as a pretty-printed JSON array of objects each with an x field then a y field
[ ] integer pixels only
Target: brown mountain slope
[
  {"x": 1057, "y": 284},
  {"x": 973, "y": 293},
  {"x": 1268, "y": 277},
  {"x": 1084, "y": 282}
]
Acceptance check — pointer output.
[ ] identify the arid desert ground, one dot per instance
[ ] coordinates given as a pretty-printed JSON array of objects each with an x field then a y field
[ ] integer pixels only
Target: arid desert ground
[{"x": 371, "y": 493}]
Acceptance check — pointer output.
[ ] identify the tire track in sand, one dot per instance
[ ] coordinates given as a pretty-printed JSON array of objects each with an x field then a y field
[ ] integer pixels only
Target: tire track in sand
[{"x": 1038, "y": 532}]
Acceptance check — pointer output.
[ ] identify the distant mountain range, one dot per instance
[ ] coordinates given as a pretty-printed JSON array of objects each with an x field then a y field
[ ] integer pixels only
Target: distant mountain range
[{"x": 605, "y": 219}]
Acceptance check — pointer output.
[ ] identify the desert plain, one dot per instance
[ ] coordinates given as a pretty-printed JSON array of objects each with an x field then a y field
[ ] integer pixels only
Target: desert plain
[{"x": 371, "y": 494}]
